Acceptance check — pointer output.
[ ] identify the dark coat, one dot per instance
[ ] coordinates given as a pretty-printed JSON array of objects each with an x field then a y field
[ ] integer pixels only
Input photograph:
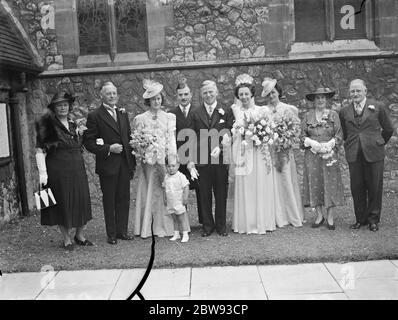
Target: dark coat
[
  {"x": 371, "y": 132},
  {"x": 220, "y": 123},
  {"x": 101, "y": 125}
]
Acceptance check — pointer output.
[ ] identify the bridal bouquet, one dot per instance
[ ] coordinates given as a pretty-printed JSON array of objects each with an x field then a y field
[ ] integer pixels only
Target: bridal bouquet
[
  {"x": 146, "y": 145},
  {"x": 257, "y": 129},
  {"x": 286, "y": 134}
]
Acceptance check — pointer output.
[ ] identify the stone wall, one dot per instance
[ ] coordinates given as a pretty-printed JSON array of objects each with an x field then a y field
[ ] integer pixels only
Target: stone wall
[
  {"x": 297, "y": 79},
  {"x": 203, "y": 30}
]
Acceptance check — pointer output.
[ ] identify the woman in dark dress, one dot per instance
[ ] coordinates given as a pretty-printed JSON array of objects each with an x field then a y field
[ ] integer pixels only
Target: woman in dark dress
[{"x": 61, "y": 168}]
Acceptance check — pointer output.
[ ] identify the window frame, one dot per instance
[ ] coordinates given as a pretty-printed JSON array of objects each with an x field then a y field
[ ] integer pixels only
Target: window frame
[
  {"x": 66, "y": 28},
  {"x": 331, "y": 44}
]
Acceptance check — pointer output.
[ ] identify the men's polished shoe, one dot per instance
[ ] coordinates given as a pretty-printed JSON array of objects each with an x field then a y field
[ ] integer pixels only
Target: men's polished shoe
[
  {"x": 206, "y": 234},
  {"x": 373, "y": 227},
  {"x": 317, "y": 225},
  {"x": 223, "y": 234},
  {"x": 125, "y": 237},
  {"x": 356, "y": 226},
  {"x": 112, "y": 241},
  {"x": 331, "y": 226}
]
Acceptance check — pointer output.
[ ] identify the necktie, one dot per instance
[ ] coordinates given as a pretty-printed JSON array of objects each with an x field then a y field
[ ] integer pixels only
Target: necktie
[
  {"x": 113, "y": 113},
  {"x": 210, "y": 111},
  {"x": 358, "y": 109},
  {"x": 184, "y": 111}
]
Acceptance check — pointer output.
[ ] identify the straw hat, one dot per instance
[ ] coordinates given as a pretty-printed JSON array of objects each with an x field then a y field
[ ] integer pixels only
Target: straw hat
[
  {"x": 152, "y": 88},
  {"x": 60, "y": 97},
  {"x": 325, "y": 91},
  {"x": 268, "y": 84}
]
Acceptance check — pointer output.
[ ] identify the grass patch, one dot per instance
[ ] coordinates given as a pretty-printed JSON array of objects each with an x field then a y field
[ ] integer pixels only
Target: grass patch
[{"x": 27, "y": 246}]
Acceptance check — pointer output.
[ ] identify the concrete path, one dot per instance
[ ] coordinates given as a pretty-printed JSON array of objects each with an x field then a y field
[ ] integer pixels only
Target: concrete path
[{"x": 320, "y": 281}]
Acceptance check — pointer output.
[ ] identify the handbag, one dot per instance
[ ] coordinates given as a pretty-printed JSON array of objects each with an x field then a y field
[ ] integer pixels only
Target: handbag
[{"x": 44, "y": 198}]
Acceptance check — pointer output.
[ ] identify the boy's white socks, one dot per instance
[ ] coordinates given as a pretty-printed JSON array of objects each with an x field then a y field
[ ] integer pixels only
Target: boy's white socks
[
  {"x": 185, "y": 236},
  {"x": 176, "y": 236}
]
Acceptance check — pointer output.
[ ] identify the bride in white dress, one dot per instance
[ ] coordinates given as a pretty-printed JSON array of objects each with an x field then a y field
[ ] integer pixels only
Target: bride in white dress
[{"x": 254, "y": 193}]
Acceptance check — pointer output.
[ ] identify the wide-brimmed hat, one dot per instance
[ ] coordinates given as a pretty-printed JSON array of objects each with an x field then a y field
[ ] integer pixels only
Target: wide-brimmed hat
[
  {"x": 152, "y": 88},
  {"x": 325, "y": 91},
  {"x": 61, "y": 97},
  {"x": 268, "y": 84}
]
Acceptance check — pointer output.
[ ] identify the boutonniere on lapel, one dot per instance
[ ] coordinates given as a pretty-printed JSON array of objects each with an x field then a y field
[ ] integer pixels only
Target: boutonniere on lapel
[
  {"x": 122, "y": 110},
  {"x": 222, "y": 121},
  {"x": 221, "y": 111},
  {"x": 80, "y": 126},
  {"x": 99, "y": 142},
  {"x": 371, "y": 107}
]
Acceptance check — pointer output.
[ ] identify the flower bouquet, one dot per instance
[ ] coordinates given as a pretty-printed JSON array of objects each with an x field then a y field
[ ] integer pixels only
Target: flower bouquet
[
  {"x": 256, "y": 129},
  {"x": 286, "y": 135},
  {"x": 146, "y": 145}
]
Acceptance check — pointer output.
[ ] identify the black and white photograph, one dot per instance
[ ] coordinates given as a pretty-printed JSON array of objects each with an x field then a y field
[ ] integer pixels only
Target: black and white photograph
[{"x": 228, "y": 151}]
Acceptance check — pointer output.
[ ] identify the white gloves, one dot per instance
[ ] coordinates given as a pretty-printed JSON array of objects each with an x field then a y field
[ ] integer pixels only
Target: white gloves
[
  {"x": 41, "y": 165},
  {"x": 315, "y": 145},
  {"x": 225, "y": 140},
  {"x": 216, "y": 152},
  {"x": 192, "y": 170}
]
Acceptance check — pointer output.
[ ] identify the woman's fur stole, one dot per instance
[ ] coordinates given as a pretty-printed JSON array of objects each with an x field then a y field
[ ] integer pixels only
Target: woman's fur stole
[{"x": 47, "y": 132}]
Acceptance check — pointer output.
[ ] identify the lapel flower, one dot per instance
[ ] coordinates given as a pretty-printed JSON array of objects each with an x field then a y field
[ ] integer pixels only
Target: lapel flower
[
  {"x": 221, "y": 111},
  {"x": 371, "y": 107},
  {"x": 222, "y": 121},
  {"x": 99, "y": 142},
  {"x": 122, "y": 110},
  {"x": 80, "y": 126}
]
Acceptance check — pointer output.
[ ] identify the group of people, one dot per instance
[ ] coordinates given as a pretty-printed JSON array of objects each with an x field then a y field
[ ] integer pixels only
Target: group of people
[{"x": 266, "y": 191}]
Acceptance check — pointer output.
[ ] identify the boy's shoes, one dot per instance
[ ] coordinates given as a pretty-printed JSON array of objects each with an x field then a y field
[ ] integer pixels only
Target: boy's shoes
[
  {"x": 175, "y": 237},
  {"x": 185, "y": 237}
]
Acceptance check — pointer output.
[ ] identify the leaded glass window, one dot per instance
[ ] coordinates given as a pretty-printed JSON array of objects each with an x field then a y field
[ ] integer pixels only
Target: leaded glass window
[
  {"x": 93, "y": 26},
  {"x": 112, "y": 26},
  {"x": 130, "y": 26}
]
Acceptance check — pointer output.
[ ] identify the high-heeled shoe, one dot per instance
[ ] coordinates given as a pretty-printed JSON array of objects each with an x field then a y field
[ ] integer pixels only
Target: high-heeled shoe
[
  {"x": 86, "y": 242},
  {"x": 331, "y": 226},
  {"x": 317, "y": 225}
]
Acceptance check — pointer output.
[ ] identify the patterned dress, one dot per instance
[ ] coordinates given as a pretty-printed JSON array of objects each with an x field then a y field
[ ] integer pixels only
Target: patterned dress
[
  {"x": 149, "y": 203},
  {"x": 322, "y": 179}
]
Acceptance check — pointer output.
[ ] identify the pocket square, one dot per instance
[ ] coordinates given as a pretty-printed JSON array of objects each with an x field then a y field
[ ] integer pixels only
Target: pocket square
[
  {"x": 100, "y": 142},
  {"x": 222, "y": 121}
]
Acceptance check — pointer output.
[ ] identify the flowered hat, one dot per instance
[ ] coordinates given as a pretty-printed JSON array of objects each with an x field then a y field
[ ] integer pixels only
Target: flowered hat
[
  {"x": 268, "y": 84},
  {"x": 60, "y": 97},
  {"x": 243, "y": 78},
  {"x": 152, "y": 88},
  {"x": 325, "y": 91}
]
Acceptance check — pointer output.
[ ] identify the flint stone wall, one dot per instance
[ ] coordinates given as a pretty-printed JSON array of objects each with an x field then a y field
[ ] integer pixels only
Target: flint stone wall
[{"x": 297, "y": 79}]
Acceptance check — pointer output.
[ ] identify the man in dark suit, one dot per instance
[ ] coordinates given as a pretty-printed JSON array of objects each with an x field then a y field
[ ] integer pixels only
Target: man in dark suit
[
  {"x": 366, "y": 128},
  {"x": 212, "y": 124},
  {"x": 107, "y": 136},
  {"x": 183, "y": 113}
]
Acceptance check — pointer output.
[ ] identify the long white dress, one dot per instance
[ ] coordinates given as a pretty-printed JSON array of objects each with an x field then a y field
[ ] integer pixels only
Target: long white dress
[
  {"x": 254, "y": 203},
  {"x": 149, "y": 202},
  {"x": 289, "y": 208}
]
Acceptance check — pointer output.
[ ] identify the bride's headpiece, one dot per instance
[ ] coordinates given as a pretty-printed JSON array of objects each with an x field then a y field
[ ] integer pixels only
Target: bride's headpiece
[{"x": 243, "y": 78}]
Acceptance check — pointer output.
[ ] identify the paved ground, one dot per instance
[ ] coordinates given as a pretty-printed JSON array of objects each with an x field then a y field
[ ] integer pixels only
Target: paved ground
[{"x": 320, "y": 281}]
